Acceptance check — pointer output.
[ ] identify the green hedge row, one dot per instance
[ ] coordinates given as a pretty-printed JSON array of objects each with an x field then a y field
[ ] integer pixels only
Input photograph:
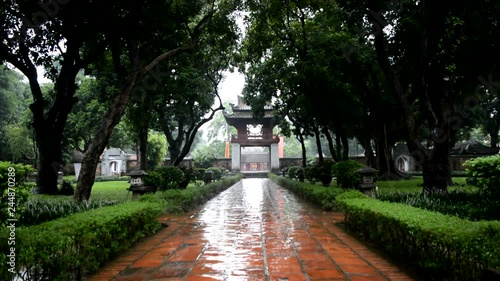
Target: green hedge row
[
  {"x": 319, "y": 195},
  {"x": 72, "y": 247},
  {"x": 182, "y": 200},
  {"x": 68, "y": 248},
  {"x": 441, "y": 246}
]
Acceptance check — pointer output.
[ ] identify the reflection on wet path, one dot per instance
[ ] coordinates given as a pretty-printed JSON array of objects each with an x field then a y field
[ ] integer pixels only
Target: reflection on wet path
[{"x": 255, "y": 230}]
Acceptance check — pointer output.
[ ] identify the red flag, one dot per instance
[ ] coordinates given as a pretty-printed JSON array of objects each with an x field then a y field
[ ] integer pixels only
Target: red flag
[{"x": 226, "y": 153}]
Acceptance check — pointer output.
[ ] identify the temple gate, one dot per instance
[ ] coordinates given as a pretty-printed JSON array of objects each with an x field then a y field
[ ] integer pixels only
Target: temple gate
[{"x": 252, "y": 134}]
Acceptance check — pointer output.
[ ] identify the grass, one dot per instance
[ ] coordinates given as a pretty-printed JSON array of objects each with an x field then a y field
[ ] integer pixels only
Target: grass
[{"x": 414, "y": 185}]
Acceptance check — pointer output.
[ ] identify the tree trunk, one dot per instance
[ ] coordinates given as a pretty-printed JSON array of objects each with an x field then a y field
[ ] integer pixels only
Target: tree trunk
[
  {"x": 494, "y": 133},
  {"x": 318, "y": 144},
  {"x": 330, "y": 145},
  {"x": 300, "y": 138},
  {"x": 46, "y": 179},
  {"x": 91, "y": 156},
  {"x": 49, "y": 127},
  {"x": 112, "y": 117},
  {"x": 345, "y": 147},
  {"x": 143, "y": 148},
  {"x": 435, "y": 162},
  {"x": 370, "y": 158}
]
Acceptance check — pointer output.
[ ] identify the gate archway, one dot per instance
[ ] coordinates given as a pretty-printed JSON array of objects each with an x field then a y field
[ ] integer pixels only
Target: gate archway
[{"x": 253, "y": 133}]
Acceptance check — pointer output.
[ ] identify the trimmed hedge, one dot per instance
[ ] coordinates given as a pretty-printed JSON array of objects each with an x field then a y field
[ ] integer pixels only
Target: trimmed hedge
[
  {"x": 484, "y": 172},
  {"x": 441, "y": 246},
  {"x": 165, "y": 178},
  {"x": 14, "y": 190},
  {"x": 217, "y": 173},
  {"x": 178, "y": 201},
  {"x": 319, "y": 195},
  {"x": 68, "y": 248},
  {"x": 71, "y": 247},
  {"x": 346, "y": 173}
]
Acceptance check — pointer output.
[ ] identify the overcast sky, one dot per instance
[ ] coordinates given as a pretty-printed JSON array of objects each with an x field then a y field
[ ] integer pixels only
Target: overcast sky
[{"x": 231, "y": 87}]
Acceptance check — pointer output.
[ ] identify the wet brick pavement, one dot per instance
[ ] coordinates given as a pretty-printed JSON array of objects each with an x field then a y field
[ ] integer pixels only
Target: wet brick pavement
[{"x": 255, "y": 230}]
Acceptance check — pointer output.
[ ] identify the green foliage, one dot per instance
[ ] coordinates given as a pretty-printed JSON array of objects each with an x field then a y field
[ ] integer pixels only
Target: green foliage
[
  {"x": 441, "y": 246},
  {"x": 157, "y": 150},
  {"x": 296, "y": 172},
  {"x": 352, "y": 194},
  {"x": 20, "y": 143},
  {"x": 485, "y": 173},
  {"x": 319, "y": 195},
  {"x": 310, "y": 174},
  {"x": 292, "y": 170},
  {"x": 216, "y": 173},
  {"x": 203, "y": 158},
  {"x": 471, "y": 205},
  {"x": 42, "y": 209},
  {"x": 66, "y": 188},
  {"x": 68, "y": 248},
  {"x": 190, "y": 176},
  {"x": 111, "y": 178},
  {"x": 322, "y": 171},
  {"x": 178, "y": 201},
  {"x": 165, "y": 178},
  {"x": 14, "y": 191},
  {"x": 200, "y": 173},
  {"x": 346, "y": 174}
]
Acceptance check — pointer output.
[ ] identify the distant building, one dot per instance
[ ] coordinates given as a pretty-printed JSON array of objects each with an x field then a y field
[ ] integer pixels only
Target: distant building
[{"x": 114, "y": 161}]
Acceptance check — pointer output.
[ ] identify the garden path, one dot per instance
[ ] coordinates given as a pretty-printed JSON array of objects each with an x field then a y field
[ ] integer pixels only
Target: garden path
[{"x": 255, "y": 230}]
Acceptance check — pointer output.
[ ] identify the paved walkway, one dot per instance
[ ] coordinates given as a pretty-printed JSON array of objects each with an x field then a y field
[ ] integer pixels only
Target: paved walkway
[{"x": 255, "y": 230}]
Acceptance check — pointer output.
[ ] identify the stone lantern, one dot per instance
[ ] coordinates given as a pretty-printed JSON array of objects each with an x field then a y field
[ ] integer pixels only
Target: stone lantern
[
  {"x": 367, "y": 183},
  {"x": 137, "y": 183}
]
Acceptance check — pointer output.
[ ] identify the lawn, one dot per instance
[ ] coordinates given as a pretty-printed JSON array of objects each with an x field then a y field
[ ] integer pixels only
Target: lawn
[
  {"x": 40, "y": 207},
  {"x": 414, "y": 185}
]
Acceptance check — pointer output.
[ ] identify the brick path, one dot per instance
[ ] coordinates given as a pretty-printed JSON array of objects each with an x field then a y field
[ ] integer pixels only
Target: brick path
[{"x": 255, "y": 230}]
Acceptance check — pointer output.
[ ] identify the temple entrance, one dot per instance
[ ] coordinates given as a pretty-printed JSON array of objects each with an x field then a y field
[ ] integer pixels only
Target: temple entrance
[
  {"x": 255, "y": 159},
  {"x": 255, "y": 148}
]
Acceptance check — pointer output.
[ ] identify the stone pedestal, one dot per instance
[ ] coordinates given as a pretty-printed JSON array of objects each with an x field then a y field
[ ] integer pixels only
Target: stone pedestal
[{"x": 236, "y": 156}]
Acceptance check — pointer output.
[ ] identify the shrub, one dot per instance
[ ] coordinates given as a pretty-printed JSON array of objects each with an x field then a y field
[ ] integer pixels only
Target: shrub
[
  {"x": 66, "y": 188},
  {"x": 464, "y": 204},
  {"x": 323, "y": 171},
  {"x": 346, "y": 174},
  {"x": 68, "y": 248},
  {"x": 292, "y": 171},
  {"x": 165, "y": 178},
  {"x": 189, "y": 176},
  {"x": 310, "y": 174},
  {"x": 440, "y": 246},
  {"x": 14, "y": 190},
  {"x": 319, "y": 195},
  {"x": 352, "y": 194},
  {"x": 203, "y": 158},
  {"x": 42, "y": 209},
  {"x": 216, "y": 173},
  {"x": 109, "y": 178},
  {"x": 200, "y": 173},
  {"x": 485, "y": 173},
  {"x": 178, "y": 201},
  {"x": 300, "y": 174}
]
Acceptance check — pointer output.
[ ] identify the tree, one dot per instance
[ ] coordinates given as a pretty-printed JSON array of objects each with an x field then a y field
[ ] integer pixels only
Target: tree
[
  {"x": 293, "y": 55},
  {"x": 14, "y": 96},
  {"x": 436, "y": 82},
  {"x": 39, "y": 35},
  {"x": 189, "y": 98},
  {"x": 85, "y": 115},
  {"x": 218, "y": 129},
  {"x": 20, "y": 143},
  {"x": 157, "y": 149},
  {"x": 182, "y": 30}
]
